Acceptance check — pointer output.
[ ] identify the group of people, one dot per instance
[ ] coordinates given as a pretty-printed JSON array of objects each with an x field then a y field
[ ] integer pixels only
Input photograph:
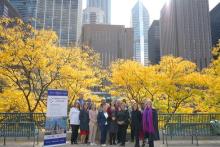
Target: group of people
[{"x": 114, "y": 119}]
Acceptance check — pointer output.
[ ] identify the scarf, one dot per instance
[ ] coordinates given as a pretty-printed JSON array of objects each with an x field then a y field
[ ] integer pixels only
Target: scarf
[{"x": 148, "y": 121}]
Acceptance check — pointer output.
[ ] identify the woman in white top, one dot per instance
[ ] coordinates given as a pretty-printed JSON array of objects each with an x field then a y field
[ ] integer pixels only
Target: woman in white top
[{"x": 74, "y": 122}]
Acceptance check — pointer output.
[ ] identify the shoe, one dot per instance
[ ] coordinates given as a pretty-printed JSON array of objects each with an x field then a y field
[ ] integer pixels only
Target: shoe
[
  {"x": 91, "y": 144},
  {"x": 94, "y": 144},
  {"x": 103, "y": 145}
]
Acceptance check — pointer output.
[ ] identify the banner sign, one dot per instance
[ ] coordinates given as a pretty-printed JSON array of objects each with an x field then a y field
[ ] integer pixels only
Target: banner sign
[{"x": 56, "y": 122}]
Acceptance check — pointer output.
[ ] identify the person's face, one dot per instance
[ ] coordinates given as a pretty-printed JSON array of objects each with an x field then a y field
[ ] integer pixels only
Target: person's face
[
  {"x": 135, "y": 107},
  {"x": 105, "y": 108},
  {"x": 148, "y": 104},
  {"x": 93, "y": 107},
  {"x": 81, "y": 95},
  {"x": 113, "y": 118},
  {"x": 77, "y": 105},
  {"x": 85, "y": 106},
  {"x": 123, "y": 107}
]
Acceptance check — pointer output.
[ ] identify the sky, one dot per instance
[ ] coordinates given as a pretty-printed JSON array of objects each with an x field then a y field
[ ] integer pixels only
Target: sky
[{"x": 121, "y": 10}]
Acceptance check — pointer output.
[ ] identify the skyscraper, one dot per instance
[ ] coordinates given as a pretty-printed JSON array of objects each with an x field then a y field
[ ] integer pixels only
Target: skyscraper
[
  {"x": 7, "y": 10},
  {"x": 154, "y": 42},
  {"x": 26, "y": 8},
  {"x": 215, "y": 24},
  {"x": 140, "y": 24},
  {"x": 93, "y": 15},
  {"x": 62, "y": 16},
  {"x": 111, "y": 41},
  {"x": 185, "y": 30},
  {"x": 104, "y": 5}
]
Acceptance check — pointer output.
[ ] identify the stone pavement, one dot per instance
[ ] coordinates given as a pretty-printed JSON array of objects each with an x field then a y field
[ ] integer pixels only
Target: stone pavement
[{"x": 174, "y": 143}]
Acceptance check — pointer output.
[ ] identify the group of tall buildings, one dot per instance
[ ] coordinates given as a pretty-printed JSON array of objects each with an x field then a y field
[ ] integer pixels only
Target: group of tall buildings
[{"x": 186, "y": 28}]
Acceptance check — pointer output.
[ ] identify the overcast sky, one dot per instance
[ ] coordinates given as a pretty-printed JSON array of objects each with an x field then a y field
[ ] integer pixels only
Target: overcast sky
[{"x": 121, "y": 9}]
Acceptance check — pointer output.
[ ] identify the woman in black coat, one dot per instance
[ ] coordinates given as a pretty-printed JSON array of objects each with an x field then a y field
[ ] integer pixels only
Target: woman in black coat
[
  {"x": 122, "y": 120},
  {"x": 84, "y": 123},
  {"x": 136, "y": 119},
  {"x": 150, "y": 123}
]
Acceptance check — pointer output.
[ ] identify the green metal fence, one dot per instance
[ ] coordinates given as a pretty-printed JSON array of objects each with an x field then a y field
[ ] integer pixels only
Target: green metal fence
[
  {"x": 164, "y": 118},
  {"x": 38, "y": 118}
]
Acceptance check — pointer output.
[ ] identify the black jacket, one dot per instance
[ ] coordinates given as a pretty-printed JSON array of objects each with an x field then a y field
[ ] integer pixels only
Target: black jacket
[
  {"x": 123, "y": 116},
  {"x": 136, "y": 119}
]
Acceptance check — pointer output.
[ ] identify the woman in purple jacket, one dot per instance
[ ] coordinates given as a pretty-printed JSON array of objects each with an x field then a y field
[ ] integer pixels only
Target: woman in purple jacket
[{"x": 150, "y": 123}]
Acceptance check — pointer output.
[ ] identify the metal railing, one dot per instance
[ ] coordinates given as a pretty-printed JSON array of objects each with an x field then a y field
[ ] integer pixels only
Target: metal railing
[{"x": 163, "y": 118}]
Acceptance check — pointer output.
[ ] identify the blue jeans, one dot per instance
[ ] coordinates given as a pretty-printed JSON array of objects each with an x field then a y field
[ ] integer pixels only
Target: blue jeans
[{"x": 104, "y": 129}]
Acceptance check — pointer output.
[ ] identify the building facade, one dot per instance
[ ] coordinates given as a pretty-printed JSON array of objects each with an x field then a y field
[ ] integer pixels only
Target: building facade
[
  {"x": 215, "y": 24},
  {"x": 93, "y": 15},
  {"x": 7, "y": 10},
  {"x": 62, "y": 16},
  {"x": 185, "y": 30},
  {"x": 112, "y": 42},
  {"x": 154, "y": 42},
  {"x": 140, "y": 24},
  {"x": 104, "y": 5}
]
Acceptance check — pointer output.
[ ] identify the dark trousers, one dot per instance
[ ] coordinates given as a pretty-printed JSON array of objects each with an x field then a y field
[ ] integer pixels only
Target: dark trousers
[
  {"x": 122, "y": 129},
  {"x": 132, "y": 132},
  {"x": 151, "y": 143},
  {"x": 104, "y": 129},
  {"x": 112, "y": 138},
  {"x": 74, "y": 136},
  {"x": 136, "y": 134}
]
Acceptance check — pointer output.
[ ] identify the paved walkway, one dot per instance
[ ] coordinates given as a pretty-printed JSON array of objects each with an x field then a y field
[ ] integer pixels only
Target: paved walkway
[{"x": 174, "y": 143}]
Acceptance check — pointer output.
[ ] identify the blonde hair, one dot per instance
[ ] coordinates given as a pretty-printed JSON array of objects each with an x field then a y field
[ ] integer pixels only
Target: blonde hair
[{"x": 149, "y": 101}]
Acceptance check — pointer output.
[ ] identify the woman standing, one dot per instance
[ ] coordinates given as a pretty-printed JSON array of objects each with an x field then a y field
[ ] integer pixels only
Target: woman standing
[
  {"x": 74, "y": 122},
  {"x": 93, "y": 113},
  {"x": 113, "y": 128},
  {"x": 150, "y": 123},
  {"x": 123, "y": 119},
  {"x": 84, "y": 123},
  {"x": 136, "y": 119},
  {"x": 103, "y": 124}
]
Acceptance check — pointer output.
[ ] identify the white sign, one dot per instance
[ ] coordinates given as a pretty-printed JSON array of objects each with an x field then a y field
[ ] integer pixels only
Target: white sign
[{"x": 56, "y": 122}]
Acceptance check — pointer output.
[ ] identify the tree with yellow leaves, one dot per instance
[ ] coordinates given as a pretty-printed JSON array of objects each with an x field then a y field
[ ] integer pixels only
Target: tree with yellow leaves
[
  {"x": 31, "y": 63},
  {"x": 213, "y": 95},
  {"x": 172, "y": 85},
  {"x": 216, "y": 51}
]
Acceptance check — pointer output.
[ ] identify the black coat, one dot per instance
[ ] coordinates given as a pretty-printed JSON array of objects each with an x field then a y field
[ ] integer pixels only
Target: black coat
[
  {"x": 136, "y": 119},
  {"x": 113, "y": 128},
  {"x": 84, "y": 120},
  {"x": 154, "y": 136},
  {"x": 123, "y": 116}
]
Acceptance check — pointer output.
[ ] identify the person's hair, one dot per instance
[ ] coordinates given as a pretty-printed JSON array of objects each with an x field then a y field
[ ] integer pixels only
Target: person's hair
[
  {"x": 85, "y": 105},
  {"x": 150, "y": 102},
  {"x": 76, "y": 104},
  {"x": 135, "y": 104},
  {"x": 93, "y": 106}
]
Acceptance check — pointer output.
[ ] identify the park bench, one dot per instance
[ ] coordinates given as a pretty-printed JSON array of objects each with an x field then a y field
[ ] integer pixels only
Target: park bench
[
  {"x": 194, "y": 130},
  {"x": 18, "y": 129}
]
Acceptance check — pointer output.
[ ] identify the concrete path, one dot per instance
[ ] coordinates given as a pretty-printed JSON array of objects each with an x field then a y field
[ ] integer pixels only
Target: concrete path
[{"x": 173, "y": 143}]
